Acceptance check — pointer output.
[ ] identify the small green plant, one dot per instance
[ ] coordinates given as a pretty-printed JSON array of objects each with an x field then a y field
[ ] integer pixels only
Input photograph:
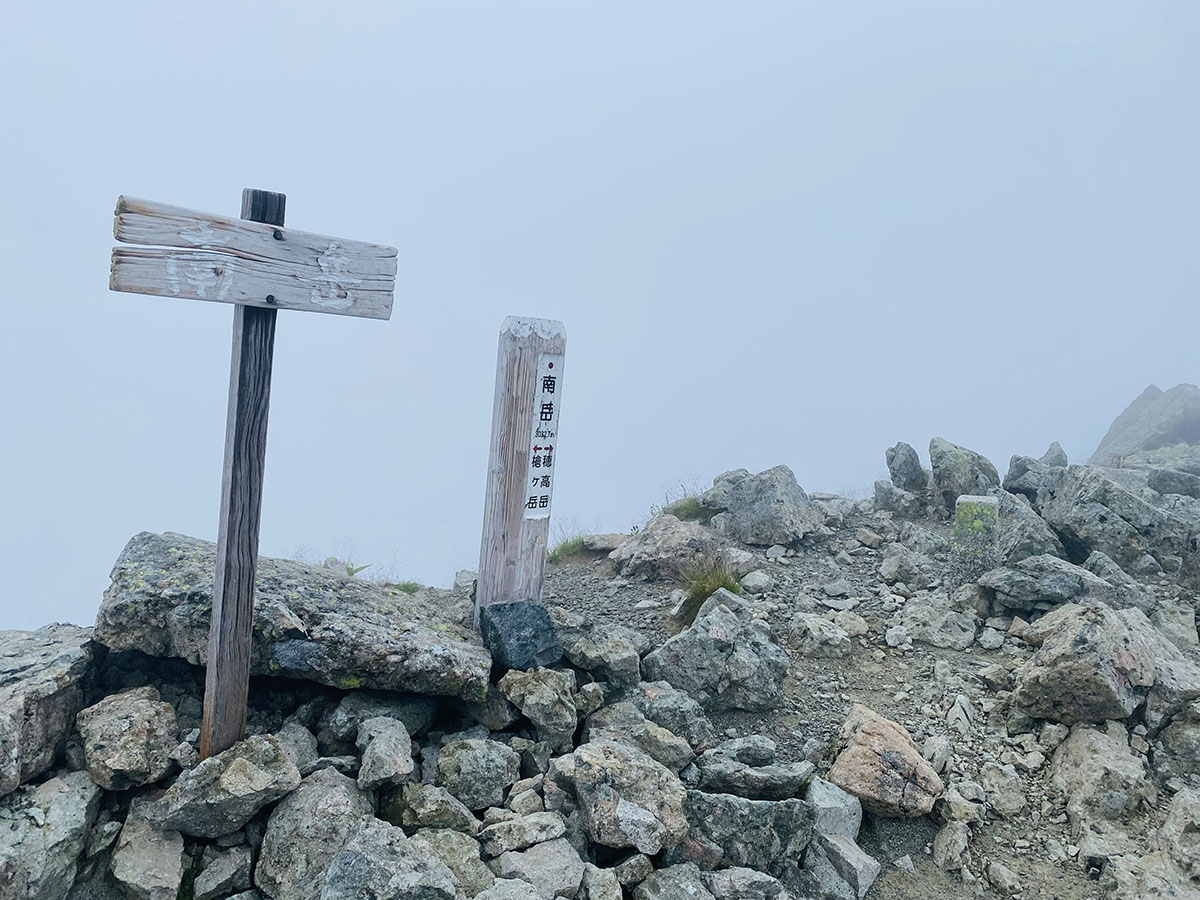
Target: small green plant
[
  {"x": 352, "y": 570},
  {"x": 569, "y": 546},
  {"x": 406, "y": 587},
  {"x": 701, "y": 580},
  {"x": 688, "y": 509}
]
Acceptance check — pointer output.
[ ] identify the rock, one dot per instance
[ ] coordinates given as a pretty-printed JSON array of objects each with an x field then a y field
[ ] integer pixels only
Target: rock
[
  {"x": 627, "y": 799},
  {"x": 724, "y": 830},
  {"x": 519, "y": 635},
  {"x": 612, "y": 653},
  {"x": 43, "y": 829},
  {"x": 1023, "y": 533},
  {"x": 306, "y": 831},
  {"x": 128, "y": 738},
  {"x": 957, "y": 471},
  {"x": 1171, "y": 481},
  {"x": 675, "y": 711},
  {"x": 522, "y": 832},
  {"x": 813, "y": 635},
  {"x": 1003, "y": 879},
  {"x": 976, "y": 536},
  {"x": 851, "y": 622},
  {"x": 509, "y": 889},
  {"x": 554, "y": 868},
  {"x": 378, "y": 860},
  {"x": 386, "y": 753},
  {"x": 1003, "y": 788},
  {"x": 41, "y": 675},
  {"x": 679, "y": 882},
  {"x": 224, "y": 792},
  {"x": 544, "y": 698},
  {"x": 1155, "y": 419},
  {"x": 757, "y": 582},
  {"x": 414, "y": 806},
  {"x": 1180, "y": 833},
  {"x": 937, "y": 750},
  {"x": 622, "y": 722},
  {"x": 902, "y": 564},
  {"x": 1129, "y": 877},
  {"x": 634, "y": 869},
  {"x": 931, "y": 619},
  {"x": 740, "y": 883},
  {"x": 952, "y": 806},
  {"x": 883, "y": 768},
  {"x": 727, "y": 659},
  {"x": 663, "y": 548},
  {"x": 905, "y": 504},
  {"x": 225, "y": 872},
  {"x": 1176, "y": 619},
  {"x": 897, "y": 636},
  {"x": 341, "y": 724},
  {"x": 494, "y": 712},
  {"x": 603, "y": 543},
  {"x": 835, "y": 812},
  {"x": 477, "y": 772},
  {"x": 764, "y": 509},
  {"x": 843, "y": 871},
  {"x": 148, "y": 861},
  {"x": 1044, "y": 582},
  {"x": 309, "y": 622},
  {"x": 299, "y": 744},
  {"x": 721, "y": 771},
  {"x": 951, "y": 847},
  {"x": 906, "y": 470},
  {"x": 460, "y": 853},
  {"x": 599, "y": 884}
]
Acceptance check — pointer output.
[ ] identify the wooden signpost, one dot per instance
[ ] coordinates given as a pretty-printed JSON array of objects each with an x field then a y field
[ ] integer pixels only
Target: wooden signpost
[
  {"x": 522, "y": 462},
  {"x": 260, "y": 266}
]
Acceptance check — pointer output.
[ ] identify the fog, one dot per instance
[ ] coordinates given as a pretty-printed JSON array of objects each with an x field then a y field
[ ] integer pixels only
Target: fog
[{"x": 777, "y": 232}]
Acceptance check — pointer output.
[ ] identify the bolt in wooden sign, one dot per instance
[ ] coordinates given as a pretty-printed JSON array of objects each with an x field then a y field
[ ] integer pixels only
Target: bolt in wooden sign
[
  {"x": 521, "y": 462},
  {"x": 260, "y": 266}
]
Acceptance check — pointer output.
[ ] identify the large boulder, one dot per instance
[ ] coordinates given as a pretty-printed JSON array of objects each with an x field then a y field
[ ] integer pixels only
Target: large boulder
[
  {"x": 882, "y": 767},
  {"x": 544, "y": 698},
  {"x": 1023, "y": 533},
  {"x": 906, "y": 471},
  {"x": 932, "y": 619},
  {"x": 553, "y": 869},
  {"x": 622, "y": 722},
  {"x": 224, "y": 792},
  {"x": 305, "y": 832},
  {"x": 41, "y": 690},
  {"x": 309, "y": 622},
  {"x": 460, "y": 853},
  {"x": 958, "y": 471},
  {"x": 1154, "y": 420},
  {"x": 477, "y": 772},
  {"x": 626, "y": 798},
  {"x": 148, "y": 861},
  {"x": 1044, "y": 582},
  {"x": 664, "y": 548},
  {"x": 746, "y": 767},
  {"x": 43, "y": 829},
  {"x": 727, "y": 659},
  {"x": 765, "y": 509},
  {"x": 128, "y": 738},
  {"x": 611, "y": 653},
  {"x": 378, "y": 860},
  {"x": 726, "y": 830}
]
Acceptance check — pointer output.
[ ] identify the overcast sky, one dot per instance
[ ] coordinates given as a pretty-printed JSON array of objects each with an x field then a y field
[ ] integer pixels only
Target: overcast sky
[{"x": 777, "y": 232}]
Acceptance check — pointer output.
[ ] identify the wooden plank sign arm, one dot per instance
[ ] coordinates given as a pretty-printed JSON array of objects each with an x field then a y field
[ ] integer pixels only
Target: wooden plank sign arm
[{"x": 200, "y": 256}]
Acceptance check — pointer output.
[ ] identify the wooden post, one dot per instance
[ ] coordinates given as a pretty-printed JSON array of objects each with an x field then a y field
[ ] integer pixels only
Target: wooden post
[
  {"x": 230, "y": 637},
  {"x": 521, "y": 463}
]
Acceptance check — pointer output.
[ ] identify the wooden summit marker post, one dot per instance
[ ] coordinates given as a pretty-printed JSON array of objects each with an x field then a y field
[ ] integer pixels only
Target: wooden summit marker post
[
  {"x": 520, "y": 484},
  {"x": 261, "y": 267}
]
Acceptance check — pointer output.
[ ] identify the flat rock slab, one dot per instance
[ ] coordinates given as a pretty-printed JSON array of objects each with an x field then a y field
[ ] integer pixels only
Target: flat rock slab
[
  {"x": 309, "y": 622},
  {"x": 41, "y": 677}
]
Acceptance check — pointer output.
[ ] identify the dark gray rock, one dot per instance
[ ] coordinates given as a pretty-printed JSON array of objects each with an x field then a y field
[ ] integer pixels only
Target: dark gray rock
[
  {"x": 906, "y": 470},
  {"x": 341, "y": 723},
  {"x": 378, "y": 860},
  {"x": 725, "y": 830},
  {"x": 519, "y": 635},
  {"x": 899, "y": 502},
  {"x": 309, "y": 622},
  {"x": 729, "y": 769},
  {"x": 225, "y": 872}
]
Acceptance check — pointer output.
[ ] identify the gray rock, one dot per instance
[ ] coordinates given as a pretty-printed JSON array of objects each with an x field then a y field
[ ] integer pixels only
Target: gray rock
[
  {"x": 1023, "y": 533},
  {"x": 599, "y": 884},
  {"x": 951, "y": 847},
  {"x": 1003, "y": 789},
  {"x": 1180, "y": 833},
  {"x": 1170, "y": 481},
  {"x": 611, "y": 653},
  {"x": 544, "y": 697},
  {"x": 43, "y": 829},
  {"x": 663, "y": 548},
  {"x": 477, "y": 772},
  {"x": 41, "y": 675},
  {"x": 906, "y": 470},
  {"x": 905, "y": 504},
  {"x": 813, "y": 635},
  {"x": 224, "y": 792},
  {"x": 840, "y": 867},
  {"x": 309, "y": 622},
  {"x": 460, "y": 853},
  {"x": 305, "y": 832},
  {"x": 931, "y": 619},
  {"x": 553, "y": 868},
  {"x": 722, "y": 772},
  {"x": 764, "y": 509},
  {"x": 957, "y": 471},
  {"x": 522, "y": 832},
  {"x": 1003, "y": 879},
  {"x": 881, "y": 766},
  {"x": 757, "y": 582},
  {"x": 724, "y": 830},
  {"x": 378, "y": 860},
  {"x": 902, "y": 564},
  {"x": 622, "y": 722},
  {"x": 1043, "y": 582},
  {"x": 299, "y": 744},
  {"x": 627, "y": 799},
  {"x": 225, "y": 872},
  {"x": 128, "y": 738},
  {"x": 633, "y": 869},
  {"x": 148, "y": 861},
  {"x": 416, "y": 806},
  {"x": 727, "y": 659},
  {"x": 386, "y": 753},
  {"x": 519, "y": 635},
  {"x": 509, "y": 889},
  {"x": 740, "y": 883},
  {"x": 343, "y": 721},
  {"x": 675, "y": 711},
  {"x": 603, "y": 543},
  {"x": 683, "y": 881},
  {"x": 836, "y": 813},
  {"x": 494, "y": 713},
  {"x": 1155, "y": 419},
  {"x": 1055, "y": 455}
]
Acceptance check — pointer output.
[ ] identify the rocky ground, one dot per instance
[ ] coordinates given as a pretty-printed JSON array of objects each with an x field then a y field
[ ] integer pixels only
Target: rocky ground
[{"x": 964, "y": 686}]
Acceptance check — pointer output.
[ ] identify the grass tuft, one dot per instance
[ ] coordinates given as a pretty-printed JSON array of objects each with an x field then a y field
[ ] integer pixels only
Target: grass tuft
[
  {"x": 405, "y": 587},
  {"x": 688, "y": 509},
  {"x": 567, "y": 547},
  {"x": 701, "y": 580}
]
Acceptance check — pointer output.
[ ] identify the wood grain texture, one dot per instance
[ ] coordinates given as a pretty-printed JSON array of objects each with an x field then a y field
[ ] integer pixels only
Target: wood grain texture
[
  {"x": 230, "y": 639},
  {"x": 512, "y": 555},
  {"x": 201, "y": 256}
]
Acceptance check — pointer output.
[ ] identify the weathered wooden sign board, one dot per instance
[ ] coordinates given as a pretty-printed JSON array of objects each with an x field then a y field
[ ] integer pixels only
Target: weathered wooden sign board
[{"x": 261, "y": 267}]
